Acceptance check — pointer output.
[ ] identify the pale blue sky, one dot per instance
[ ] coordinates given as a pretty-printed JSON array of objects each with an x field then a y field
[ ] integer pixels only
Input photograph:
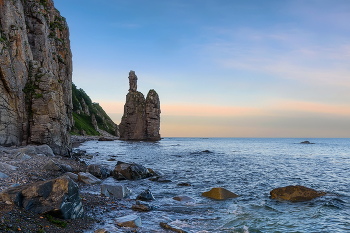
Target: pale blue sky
[{"x": 270, "y": 66}]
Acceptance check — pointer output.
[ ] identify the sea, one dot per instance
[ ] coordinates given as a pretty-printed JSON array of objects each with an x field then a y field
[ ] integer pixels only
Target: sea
[{"x": 248, "y": 167}]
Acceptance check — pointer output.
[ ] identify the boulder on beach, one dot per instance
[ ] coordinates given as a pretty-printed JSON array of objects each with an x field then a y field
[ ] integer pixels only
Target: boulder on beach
[
  {"x": 130, "y": 171},
  {"x": 219, "y": 194},
  {"x": 58, "y": 197},
  {"x": 145, "y": 196},
  {"x": 132, "y": 221},
  {"x": 71, "y": 175},
  {"x": 295, "y": 193},
  {"x": 5, "y": 166},
  {"x": 44, "y": 149},
  {"x": 53, "y": 166},
  {"x": 99, "y": 171},
  {"x": 88, "y": 178},
  {"x": 117, "y": 191}
]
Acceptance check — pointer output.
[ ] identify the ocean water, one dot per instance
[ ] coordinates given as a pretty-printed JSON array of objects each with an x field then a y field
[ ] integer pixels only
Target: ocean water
[{"x": 249, "y": 167}]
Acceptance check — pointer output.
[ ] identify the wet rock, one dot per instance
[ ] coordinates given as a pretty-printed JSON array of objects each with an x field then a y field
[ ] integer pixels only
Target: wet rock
[
  {"x": 53, "y": 166},
  {"x": 79, "y": 153},
  {"x": 44, "y": 149},
  {"x": 87, "y": 178},
  {"x": 29, "y": 150},
  {"x": 184, "y": 184},
  {"x": 21, "y": 156},
  {"x": 71, "y": 175},
  {"x": 171, "y": 228},
  {"x": 131, "y": 171},
  {"x": 111, "y": 159},
  {"x": 219, "y": 194},
  {"x": 163, "y": 180},
  {"x": 3, "y": 176},
  {"x": 132, "y": 221},
  {"x": 99, "y": 171},
  {"x": 295, "y": 193},
  {"x": 117, "y": 191},
  {"x": 184, "y": 199},
  {"x": 142, "y": 206},
  {"x": 145, "y": 196},
  {"x": 5, "y": 166},
  {"x": 155, "y": 173},
  {"x": 101, "y": 231},
  {"x": 66, "y": 167},
  {"x": 207, "y": 151},
  {"x": 104, "y": 139},
  {"x": 306, "y": 142},
  {"x": 57, "y": 197}
]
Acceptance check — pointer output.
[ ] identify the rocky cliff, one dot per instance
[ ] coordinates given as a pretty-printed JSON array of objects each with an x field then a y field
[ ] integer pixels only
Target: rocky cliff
[
  {"x": 141, "y": 118},
  {"x": 35, "y": 75},
  {"x": 89, "y": 117}
]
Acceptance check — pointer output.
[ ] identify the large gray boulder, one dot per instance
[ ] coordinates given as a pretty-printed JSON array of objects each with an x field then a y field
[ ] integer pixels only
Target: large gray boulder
[
  {"x": 130, "y": 171},
  {"x": 58, "y": 197},
  {"x": 117, "y": 191},
  {"x": 45, "y": 150},
  {"x": 132, "y": 221}
]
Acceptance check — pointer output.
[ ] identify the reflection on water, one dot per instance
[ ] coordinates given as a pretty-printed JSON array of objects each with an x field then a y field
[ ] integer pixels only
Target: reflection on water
[{"x": 250, "y": 168}]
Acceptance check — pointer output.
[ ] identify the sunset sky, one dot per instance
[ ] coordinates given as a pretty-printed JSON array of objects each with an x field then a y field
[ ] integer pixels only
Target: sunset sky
[{"x": 222, "y": 68}]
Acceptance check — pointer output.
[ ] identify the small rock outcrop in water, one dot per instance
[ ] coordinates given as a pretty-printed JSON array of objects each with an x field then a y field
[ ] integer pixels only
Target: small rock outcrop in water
[
  {"x": 141, "y": 119},
  {"x": 219, "y": 194},
  {"x": 130, "y": 171},
  {"x": 295, "y": 193},
  {"x": 306, "y": 142},
  {"x": 35, "y": 75}
]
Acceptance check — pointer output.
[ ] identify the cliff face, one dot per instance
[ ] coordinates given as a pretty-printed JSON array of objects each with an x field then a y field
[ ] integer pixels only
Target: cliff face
[
  {"x": 35, "y": 75},
  {"x": 141, "y": 118}
]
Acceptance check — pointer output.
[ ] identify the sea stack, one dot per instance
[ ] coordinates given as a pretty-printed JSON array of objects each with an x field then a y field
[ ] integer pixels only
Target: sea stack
[
  {"x": 35, "y": 76},
  {"x": 141, "y": 118}
]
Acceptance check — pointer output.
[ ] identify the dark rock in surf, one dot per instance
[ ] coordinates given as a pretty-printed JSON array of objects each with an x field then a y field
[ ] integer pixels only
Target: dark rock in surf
[
  {"x": 219, "y": 194},
  {"x": 98, "y": 171},
  {"x": 306, "y": 142},
  {"x": 131, "y": 171},
  {"x": 142, "y": 207},
  {"x": 171, "y": 228},
  {"x": 145, "y": 196},
  {"x": 295, "y": 193}
]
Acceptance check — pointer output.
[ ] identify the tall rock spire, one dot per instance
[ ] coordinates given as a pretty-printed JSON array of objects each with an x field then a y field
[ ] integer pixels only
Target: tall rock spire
[{"x": 141, "y": 118}]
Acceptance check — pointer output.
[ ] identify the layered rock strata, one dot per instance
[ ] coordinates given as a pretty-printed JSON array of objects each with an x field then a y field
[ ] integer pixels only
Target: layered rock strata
[
  {"x": 141, "y": 118},
  {"x": 35, "y": 75}
]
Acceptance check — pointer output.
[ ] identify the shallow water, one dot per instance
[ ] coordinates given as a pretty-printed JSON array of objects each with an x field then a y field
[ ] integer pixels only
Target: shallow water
[{"x": 250, "y": 168}]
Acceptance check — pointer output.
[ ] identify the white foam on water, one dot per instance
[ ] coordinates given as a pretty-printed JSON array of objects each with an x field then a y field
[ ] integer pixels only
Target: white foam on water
[{"x": 245, "y": 229}]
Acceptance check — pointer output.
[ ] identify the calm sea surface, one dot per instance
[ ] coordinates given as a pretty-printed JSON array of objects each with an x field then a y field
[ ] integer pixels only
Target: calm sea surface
[{"x": 249, "y": 167}]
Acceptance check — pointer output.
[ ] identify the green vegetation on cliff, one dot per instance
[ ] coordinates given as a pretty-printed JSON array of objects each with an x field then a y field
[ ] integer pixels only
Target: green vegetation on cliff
[{"x": 84, "y": 110}]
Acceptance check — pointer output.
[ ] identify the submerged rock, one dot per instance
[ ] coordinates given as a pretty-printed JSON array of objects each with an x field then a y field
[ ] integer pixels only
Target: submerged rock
[
  {"x": 142, "y": 206},
  {"x": 306, "y": 142},
  {"x": 58, "y": 197},
  {"x": 145, "y": 196},
  {"x": 132, "y": 221},
  {"x": 131, "y": 171},
  {"x": 219, "y": 194},
  {"x": 295, "y": 193},
  {"x": 117, "y": 191},
  {"x": 184, "y": 199},
  {"x": 171, "y": 228}
]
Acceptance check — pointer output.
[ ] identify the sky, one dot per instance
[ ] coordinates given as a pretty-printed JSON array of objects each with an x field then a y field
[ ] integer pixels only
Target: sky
[{"x": 222, "y": 68}]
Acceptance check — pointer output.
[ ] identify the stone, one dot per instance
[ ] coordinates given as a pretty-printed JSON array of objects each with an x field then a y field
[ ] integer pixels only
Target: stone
[
  {"x": 295, "y": 193},
  {"x": 45, "y": 149},
  {"x": 99, "y": 171},
  {"x": 53, "y": 166},
  {"x": 66, "y": 167},
  {"x": 142, "y": 206},
  {"x": 58, "y": 197},
  {"x": 3, "y": 176},
  {"x": 184, "y": 199},
  {"x": 152, "y": 116},
  {"x": 131, "y": 171},
  {"x": 117, "y": 191},
  {"x": 87, "y": 178},
  {"x": 132, "y": 221},
  {"x": 219, "y": 194},
  {"x": 71, "y": 175},
  {"x": 5, "y": 166},
  {"x": 141, "y": 118},
  {"x": 28, "y": 150},
  {"x": 171, "y": 228},
  {"x": 35, "y": 76},
  {"x": 306, "y": 142},
  {"x": 104, "y": 139},
  {"x": 155, "y": 173},
  {"x": 101, "y": 231},
  {"x": 184, "y": 184},
  {"x": 21, "y": 156},
  {"x": 145, "y": 196}
]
